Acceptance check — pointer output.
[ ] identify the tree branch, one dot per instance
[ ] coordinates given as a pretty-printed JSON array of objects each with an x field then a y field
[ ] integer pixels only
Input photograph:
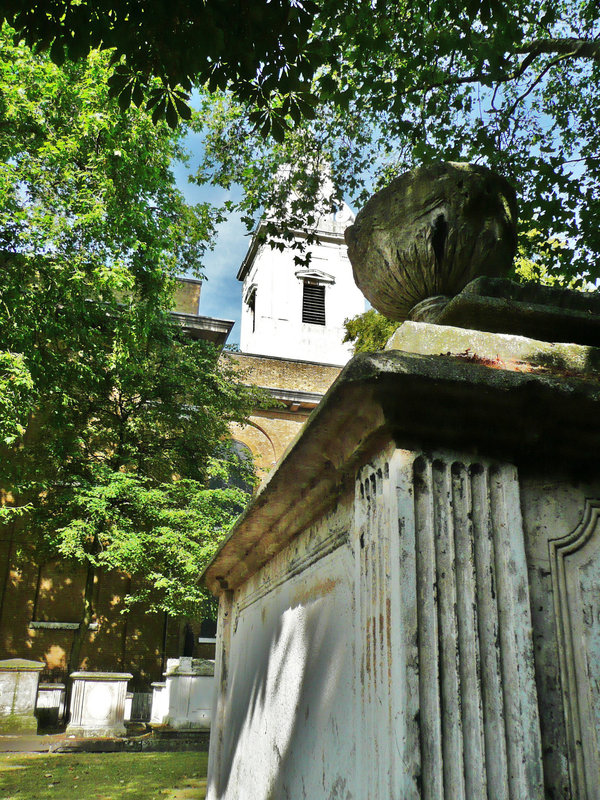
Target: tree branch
[
  {"x": 563, "y": 48},
  {"x": 452, "y": 80},
  {"x": 548, "y": 66},
  {"x": 577, "y": 48}
]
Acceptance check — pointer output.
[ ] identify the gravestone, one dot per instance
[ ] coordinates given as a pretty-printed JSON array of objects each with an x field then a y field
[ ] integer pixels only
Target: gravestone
[
  {"x": 98, "y": 703},
  {"x": 410, "y": 606},
  {"x": 19, "y": 680}
]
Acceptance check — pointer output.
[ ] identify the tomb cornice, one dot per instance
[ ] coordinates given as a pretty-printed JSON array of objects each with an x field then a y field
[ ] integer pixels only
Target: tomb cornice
[{"x": 519, "y": 413}]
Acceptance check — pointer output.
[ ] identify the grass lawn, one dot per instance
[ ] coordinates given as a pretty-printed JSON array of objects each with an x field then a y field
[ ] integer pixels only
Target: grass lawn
[{"x": 103, "y": 776}]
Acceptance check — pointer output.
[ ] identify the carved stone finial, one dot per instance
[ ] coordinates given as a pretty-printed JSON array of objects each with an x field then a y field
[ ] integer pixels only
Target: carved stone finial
[{"x": 429, "y": 233}]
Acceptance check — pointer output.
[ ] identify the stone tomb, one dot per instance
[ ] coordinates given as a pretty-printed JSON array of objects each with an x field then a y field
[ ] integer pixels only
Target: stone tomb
[
  {"x": 19, "y": 680},
  {"x": 184, "y": 702},
  {"x": 410, "y": 607},
  {"x": 98, "y": 703}
]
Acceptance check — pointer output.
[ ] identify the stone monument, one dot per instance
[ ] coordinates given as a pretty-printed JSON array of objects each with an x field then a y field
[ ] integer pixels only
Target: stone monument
[
  {"x": 98, "y": 703},
  {"x": 19, "y": 680},
  {"x": 409, "y": 609},
  {"x": 184, "y": 702},
  {"x": 420, "y": 240}
]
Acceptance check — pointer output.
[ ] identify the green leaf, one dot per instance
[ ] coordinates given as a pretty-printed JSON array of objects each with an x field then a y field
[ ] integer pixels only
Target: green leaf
[
  {"x": 183, "y": 109},
  {"x": 124, "y": 98},
  {"x": 159, "y": 110},
  {"x": 57, "y": 52}
]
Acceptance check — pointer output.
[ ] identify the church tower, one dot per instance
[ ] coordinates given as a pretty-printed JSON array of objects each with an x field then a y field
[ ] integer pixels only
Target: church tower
[{"x": 297, "y": 312}]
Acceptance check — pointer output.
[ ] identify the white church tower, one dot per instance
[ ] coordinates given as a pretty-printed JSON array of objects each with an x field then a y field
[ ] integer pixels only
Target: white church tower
[{"x": 297, "y": 312}]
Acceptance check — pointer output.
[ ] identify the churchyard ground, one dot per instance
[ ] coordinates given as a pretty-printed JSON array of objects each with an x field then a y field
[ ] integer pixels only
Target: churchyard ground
[{"x": 103, "y": 776}]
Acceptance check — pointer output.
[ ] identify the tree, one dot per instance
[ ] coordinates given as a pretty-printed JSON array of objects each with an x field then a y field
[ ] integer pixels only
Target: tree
[
  {"x": 379, "y": 88},
  {"x": 259, "y": 50},
  {"x": 369, "y": 331},
  {"x": 123, "y": 479},
  {"x": 514, "y": 86},
  {"x": 114, "y": 423}
]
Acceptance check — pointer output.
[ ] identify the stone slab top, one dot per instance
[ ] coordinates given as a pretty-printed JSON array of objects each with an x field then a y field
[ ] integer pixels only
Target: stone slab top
[
  {"x": 189, "y": 666},
  {"x": 498, "y": 350},
  {"x": 20, "y": 665},
  {"x": 546, "y": 313},
  {"x": 546, "y": 414},
  {"x": 51, "y": 687},
  {"x": 101, "y": 676}
]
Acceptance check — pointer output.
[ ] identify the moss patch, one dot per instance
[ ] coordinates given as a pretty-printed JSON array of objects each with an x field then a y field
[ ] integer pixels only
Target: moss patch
[{"x": 103, "y": 776}]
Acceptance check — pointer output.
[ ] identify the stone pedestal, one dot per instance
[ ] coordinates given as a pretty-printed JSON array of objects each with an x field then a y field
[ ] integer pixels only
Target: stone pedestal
[
  {"x": 188, "y": 693},
  {"x": 18, "y": 692},
  {"x": 50, "y": 707},
  {"x": 409, "y": 608},
  {"x": 98, "y": 703}
]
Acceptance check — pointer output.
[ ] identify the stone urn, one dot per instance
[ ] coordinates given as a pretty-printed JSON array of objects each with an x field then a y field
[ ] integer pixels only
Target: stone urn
[{"x": 420, "y": 240}]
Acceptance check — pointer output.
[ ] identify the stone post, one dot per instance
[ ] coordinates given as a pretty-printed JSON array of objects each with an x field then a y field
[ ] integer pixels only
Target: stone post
[
  {"x": 128, "y": 705},
  {"x": 18, "y": 693},
  {"x": 98, "y": 703}
]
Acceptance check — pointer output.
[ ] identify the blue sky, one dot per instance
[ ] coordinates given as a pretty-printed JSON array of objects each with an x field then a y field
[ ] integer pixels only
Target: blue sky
[{"x": 221, "y": 292}]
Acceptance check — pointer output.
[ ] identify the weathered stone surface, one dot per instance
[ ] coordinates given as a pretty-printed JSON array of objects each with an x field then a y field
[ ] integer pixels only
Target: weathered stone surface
[
  {"x": 541, "y": 312},
  {"x": 386, "y": 651},
  {"x": 442, "y": 595},
  {"x": 190, "y": 666},
  {"x": 575, "y": 567},
  {"x": 159, "y": 708},
  {"x": 547, "y": 297},
  {"x": 50, "y": 706},
  {"x": 410, "y": 606},
  {"x": 285, "y": 694},
  {"x": 563, "y": 553},
  {"x": 19, "y": 679},
  {"x": 98, "y": 703},
  {"x": 429, "y": 233},
  {"x": 500, "y": 351},
  {"x": 436, "y": 400}
]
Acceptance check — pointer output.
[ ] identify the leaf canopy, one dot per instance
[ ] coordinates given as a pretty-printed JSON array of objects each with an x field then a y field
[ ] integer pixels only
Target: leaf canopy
[
  {"x": 161, "y": 49},
  {"x": 113, "y": 421},
  {"x": 513, "y": 86}
]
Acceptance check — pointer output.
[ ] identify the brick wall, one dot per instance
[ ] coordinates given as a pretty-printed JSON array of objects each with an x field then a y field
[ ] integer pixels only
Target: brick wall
[
  {"x": 270, "y": 431},
  {"x": 285, "y": 374},
  {"x": 132, "y": 642}
]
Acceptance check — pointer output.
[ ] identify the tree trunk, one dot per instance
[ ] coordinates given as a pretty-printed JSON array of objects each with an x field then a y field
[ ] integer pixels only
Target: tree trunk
[{"x": 81, "y": 632}]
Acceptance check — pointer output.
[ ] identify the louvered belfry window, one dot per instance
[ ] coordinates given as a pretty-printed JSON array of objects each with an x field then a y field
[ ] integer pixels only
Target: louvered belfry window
[{"x": 313, "y": 303}]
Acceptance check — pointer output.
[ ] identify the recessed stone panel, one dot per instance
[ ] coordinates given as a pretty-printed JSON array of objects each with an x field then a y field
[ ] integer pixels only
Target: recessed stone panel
[{"x": 575, "y": 564}]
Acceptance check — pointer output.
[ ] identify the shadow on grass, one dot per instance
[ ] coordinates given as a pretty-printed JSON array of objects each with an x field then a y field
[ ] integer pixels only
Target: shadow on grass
[{"x": 103, "y": 776}]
